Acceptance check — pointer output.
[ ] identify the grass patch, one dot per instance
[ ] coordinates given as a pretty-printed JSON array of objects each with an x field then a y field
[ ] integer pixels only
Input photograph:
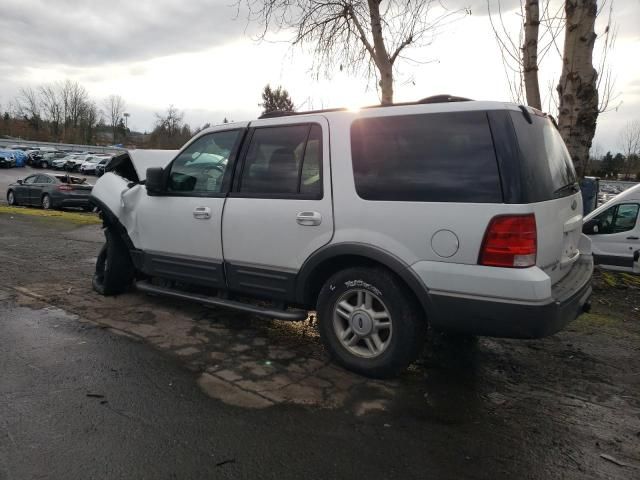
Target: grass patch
[{"x": 73, "y": 217}]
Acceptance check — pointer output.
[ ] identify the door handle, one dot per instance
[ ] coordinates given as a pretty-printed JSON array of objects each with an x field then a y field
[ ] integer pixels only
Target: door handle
[
  {"x": 633, "y": 238},
  {"x": 202, "y": 213},
  {"x": 309, "y": 219}
]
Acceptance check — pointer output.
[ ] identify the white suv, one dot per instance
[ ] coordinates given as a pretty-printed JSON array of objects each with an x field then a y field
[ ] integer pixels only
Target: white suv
[{"x": 461, "y": 215}]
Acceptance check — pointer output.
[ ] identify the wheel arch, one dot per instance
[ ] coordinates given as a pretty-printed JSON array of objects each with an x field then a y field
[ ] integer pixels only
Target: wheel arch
[
  {"x": 332, "y": 258},
  {"x": 110, "y": 220}
]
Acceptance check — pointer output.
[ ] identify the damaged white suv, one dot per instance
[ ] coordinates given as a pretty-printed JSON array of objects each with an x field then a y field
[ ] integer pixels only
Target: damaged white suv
[{"x": 461, "y": 215}]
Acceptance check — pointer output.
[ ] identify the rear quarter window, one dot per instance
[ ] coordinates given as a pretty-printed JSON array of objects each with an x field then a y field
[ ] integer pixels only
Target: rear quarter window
[{"x": 440, "y": 157}]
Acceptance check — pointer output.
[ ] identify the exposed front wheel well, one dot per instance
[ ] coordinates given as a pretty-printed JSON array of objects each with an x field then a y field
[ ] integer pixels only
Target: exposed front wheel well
[{"x": 333, "y": 265}]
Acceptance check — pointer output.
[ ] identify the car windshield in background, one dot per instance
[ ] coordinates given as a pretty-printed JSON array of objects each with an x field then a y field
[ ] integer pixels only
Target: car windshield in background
[{"x": 546, "y": 164}]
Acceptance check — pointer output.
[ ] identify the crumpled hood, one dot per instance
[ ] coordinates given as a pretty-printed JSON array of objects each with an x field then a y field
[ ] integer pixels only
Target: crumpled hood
[{"x": 143, "y": 159}]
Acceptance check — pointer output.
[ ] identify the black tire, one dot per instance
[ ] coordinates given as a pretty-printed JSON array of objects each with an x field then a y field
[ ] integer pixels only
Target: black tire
[
  {"x": 114, "y": 270},
  {"x": 408, "y": 326},
  {"x": 46, "y": 202},
  {"x": 11, "y": 198},
  {"x": 44, "y": 164}
]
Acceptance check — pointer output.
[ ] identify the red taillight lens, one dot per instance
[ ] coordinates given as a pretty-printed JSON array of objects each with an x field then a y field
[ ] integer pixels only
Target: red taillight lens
[
  {"x": 65, "y": 188},
  {"x": 510, "y": 241}
]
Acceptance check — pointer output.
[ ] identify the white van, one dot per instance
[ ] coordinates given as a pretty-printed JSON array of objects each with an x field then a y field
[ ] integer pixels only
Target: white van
[{"x": 614, "y": 230}]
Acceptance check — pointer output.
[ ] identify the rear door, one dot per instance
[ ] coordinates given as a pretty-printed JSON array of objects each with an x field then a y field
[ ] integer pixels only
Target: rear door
[
  {"x": 280, "y": 209},
  {"x": 36, "y": 189}
]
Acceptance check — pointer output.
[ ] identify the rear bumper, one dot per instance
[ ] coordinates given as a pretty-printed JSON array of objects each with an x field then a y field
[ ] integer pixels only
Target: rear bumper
[{"x": 501, "y": 318}]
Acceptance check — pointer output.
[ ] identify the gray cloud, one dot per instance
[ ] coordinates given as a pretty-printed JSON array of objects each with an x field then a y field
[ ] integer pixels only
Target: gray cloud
[{"x": 92, "y": 32}]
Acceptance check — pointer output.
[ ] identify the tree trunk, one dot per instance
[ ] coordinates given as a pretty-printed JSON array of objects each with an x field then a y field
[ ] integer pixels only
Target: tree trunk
[
  {"x": 381, "y": 58},
  {"x": 577, "y": 89},
  {"x": 530, "y": 53}
]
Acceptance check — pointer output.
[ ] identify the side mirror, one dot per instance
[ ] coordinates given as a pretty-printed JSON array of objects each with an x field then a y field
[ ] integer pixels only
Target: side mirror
[
  {"x": 19, "y": 182},
  {"x": 592, "y": 227},
  {"x": 155, "y": 180}
]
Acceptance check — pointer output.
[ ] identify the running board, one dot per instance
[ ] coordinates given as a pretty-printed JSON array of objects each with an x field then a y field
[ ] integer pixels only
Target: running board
[{"x": 221, "y": 302}]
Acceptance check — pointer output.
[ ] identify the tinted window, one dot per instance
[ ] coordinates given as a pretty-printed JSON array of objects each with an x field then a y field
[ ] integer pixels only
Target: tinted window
[
  {"x": 284, "y": 161},
  {"x": 200, "y": 168},
  {"x": 30, "y": 179},
  {"x": 617, "y": 219},
  {"x": 43, "y": 179},
  {"x": 545, "y": 162},
  {"x": 443, "y": 157}
]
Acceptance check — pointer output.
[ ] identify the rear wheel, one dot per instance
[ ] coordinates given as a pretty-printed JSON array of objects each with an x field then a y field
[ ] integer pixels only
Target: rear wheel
[
  {"x": 11, "y": 198},
  {"x": 114, "y": 270},
  {"x": 44, "y": 164},
  {"x": 368, "y": 323},
  {"x": 46, "y": 202}
]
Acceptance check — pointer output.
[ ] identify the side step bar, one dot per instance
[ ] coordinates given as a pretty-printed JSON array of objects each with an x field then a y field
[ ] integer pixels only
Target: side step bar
[{"x": 221, "y": 302}]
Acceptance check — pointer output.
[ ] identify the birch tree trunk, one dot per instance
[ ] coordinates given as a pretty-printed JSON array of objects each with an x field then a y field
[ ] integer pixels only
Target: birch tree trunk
[
  {"x": 577, "y": 89},
  {"x": 381, "y": 56},
  {"x": 530, "y": 53}
]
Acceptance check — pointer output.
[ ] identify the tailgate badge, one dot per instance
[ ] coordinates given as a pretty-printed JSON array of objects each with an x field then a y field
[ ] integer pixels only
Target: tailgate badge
[{"x": 574, "y": 204}]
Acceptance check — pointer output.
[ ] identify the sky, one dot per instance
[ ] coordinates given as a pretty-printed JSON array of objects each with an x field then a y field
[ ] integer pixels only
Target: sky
[{"x": 203, "y": 57}]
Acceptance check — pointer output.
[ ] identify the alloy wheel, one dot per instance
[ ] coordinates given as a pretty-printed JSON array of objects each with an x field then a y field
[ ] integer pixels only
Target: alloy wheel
[{"x": 362, "y": 323}]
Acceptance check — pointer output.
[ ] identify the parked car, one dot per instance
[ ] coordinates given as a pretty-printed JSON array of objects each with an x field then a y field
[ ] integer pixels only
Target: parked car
[
  {"x": 71, "y": 162},
  {"x": 102, "y": 164},
  {"x": 90, "y": 164},
  {"x": 7, "y": 160},
  {"x": 50, "y": 191},
  {"x": 614, "y": 230},
  {"x": 19, "y": 156},
  {"x": 405, "y": 216},
  {"x": 49, "y": 157}
]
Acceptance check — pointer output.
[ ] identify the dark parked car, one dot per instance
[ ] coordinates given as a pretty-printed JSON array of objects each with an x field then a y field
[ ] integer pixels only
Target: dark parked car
[
  {"x": 7, "y": 160},
  {"x": 50, "y": 191},
  {"x": 102, "y": 165}
]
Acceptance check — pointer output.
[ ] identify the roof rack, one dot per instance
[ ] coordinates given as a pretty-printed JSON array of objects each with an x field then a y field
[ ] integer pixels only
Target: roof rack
[{"x": 444, "y": 98}]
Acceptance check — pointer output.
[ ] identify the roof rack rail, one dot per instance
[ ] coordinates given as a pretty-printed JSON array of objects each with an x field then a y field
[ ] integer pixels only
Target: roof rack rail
[
  {"x": 433, "y": 99},
  {"x": 444, "y": 98}
]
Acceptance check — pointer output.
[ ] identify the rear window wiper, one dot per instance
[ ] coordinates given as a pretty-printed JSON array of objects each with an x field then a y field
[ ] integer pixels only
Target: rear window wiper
[{"x": 570, "y": 187}]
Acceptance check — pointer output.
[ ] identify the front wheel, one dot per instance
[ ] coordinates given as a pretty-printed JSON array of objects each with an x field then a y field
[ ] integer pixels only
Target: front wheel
[
  {"x": 368, "y": 323},
  {"x": 44, "y": 164},
  {"x": 11, "y": 198},
  {"x": 114, "y": 270}
]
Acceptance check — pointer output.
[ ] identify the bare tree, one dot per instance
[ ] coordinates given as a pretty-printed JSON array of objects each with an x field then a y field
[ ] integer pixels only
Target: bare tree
[
  {"x": 530, "y": 53},
  {"x": 52, "y": 106},
  {"x": 358, "y": 35},
  {"x": 28, "y": 104},
  {"x": 578, "y": 85},
  {"x": 114, "y": 106},
  {"x": 523, "y": 54},
  {"x": 629, "y": 142}
]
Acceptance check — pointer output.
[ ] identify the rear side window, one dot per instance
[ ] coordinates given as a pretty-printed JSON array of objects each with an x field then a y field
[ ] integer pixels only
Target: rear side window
[
  {"x": 546, "y": 166},
  {"x": 440, "y": 157}
]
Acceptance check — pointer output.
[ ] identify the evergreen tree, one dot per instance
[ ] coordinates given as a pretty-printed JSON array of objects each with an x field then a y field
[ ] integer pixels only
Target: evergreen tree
[{"x": 277, "y": 100}]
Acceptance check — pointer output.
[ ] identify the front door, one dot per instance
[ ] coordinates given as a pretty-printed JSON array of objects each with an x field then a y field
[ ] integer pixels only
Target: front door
[
  {"x": 617, "y": 236},
  {"x": 179, "y": 230},
  {"x": 21, "y": 192},
  {"x": 280, "y": 209}
]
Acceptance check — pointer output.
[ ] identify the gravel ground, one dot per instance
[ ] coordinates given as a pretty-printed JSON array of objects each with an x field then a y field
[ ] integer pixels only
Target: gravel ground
[{"x": 562, "y": 407}]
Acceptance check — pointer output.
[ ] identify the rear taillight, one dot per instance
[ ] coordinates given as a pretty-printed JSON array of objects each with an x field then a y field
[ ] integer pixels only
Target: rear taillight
[
  {"x": 65, "y": 188},
  {"x": 510, "y": 241}
]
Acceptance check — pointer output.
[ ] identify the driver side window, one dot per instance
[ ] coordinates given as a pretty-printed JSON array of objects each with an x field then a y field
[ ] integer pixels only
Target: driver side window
[
  {"x": 617, "y": 219},
  {"x": 201, "y": 167}
]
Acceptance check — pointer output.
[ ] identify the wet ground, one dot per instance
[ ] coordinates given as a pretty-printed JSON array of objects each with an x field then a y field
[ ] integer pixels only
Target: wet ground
[{"x": 198, "y": 386}]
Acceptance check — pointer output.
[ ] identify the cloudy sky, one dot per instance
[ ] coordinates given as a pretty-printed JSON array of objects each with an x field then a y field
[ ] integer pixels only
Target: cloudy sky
[{"x": 200, "y": 56}]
